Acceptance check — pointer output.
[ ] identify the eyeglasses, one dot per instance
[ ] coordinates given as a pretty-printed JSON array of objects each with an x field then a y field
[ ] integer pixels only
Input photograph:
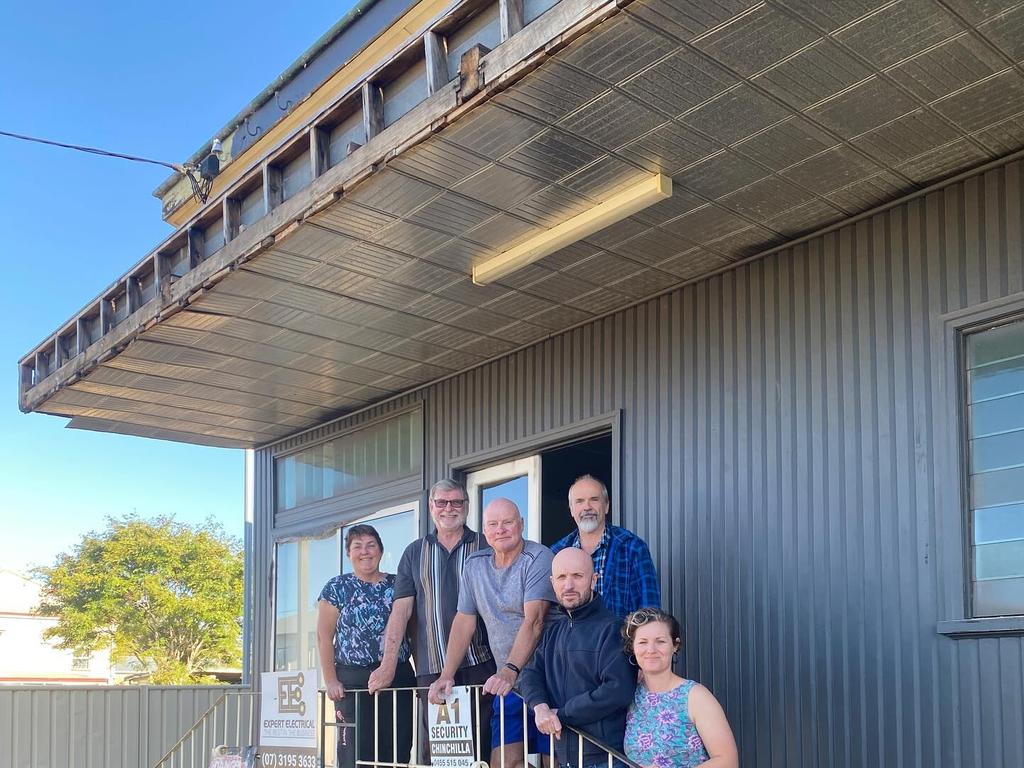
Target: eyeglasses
[{"x": 453, "y": 503}]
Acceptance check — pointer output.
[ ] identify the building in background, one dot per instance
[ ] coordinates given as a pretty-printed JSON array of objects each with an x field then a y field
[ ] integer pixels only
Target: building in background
[
  {"x": 26, "y": 657},
  {"x": 802, "y": 373}
]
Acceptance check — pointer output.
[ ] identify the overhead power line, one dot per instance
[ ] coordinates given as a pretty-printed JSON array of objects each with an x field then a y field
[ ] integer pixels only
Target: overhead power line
[
  {"x": 207, "y": 170},
  {"x": 93, "y": 151}
]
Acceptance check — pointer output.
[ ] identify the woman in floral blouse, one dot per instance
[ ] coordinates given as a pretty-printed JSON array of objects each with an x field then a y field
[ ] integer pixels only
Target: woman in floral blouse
[
  {"x": 353, "y": 611},
  {"x": 673, "y": 722}
]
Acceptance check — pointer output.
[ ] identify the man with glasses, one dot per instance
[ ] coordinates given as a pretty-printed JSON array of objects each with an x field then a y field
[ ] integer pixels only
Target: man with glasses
[
  {"x": 579, "y": 676},
  {"x": 427, "y": 585},
  {"x": 626, "y": 576}
]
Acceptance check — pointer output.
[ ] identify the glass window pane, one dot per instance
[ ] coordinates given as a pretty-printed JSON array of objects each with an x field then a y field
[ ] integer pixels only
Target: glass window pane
[
  {"x": 303, "y": 569},
  {"x": 997, "y": 451},
  {"x": 996, "y": 461},
  {"x": 323, "y": 560},
  {"x": 1000, "y": 415},
  {"x": 996, "y": 344},
  {"x": 1003, "y": 486},
  {"x": 1001, "y": 597},
  {"x": 286, "y": 482},
  {"x": 517, "y": 490},
  {"x": 287, "y": 607},
  {"x": 999, "y": 561},
  {"x": 379, "y": 453},
  {"x": 396, "y": 532},
  {"x": 999, "y": 523},
  {"x": 1003, "y": 378}
]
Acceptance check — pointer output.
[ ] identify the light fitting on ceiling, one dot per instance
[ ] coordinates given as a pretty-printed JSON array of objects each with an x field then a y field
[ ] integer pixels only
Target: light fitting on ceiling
[{"x": 619, "y": 206}]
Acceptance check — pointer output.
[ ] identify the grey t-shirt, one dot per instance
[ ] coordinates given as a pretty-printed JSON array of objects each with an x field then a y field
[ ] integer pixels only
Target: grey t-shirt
[{"x": 497, "y": 595}]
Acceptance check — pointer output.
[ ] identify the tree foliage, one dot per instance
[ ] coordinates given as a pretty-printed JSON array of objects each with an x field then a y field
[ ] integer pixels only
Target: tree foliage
[{"x": 162, "y": 592}]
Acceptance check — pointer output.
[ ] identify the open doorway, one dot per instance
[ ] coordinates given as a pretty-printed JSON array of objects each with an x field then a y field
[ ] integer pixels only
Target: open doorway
[
  {"x": 539, "y": 485},
  {"x": 559, "y": 467}
]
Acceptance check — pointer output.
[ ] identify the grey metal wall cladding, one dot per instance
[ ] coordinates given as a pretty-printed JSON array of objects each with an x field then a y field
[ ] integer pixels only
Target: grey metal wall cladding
[
  {"x": 97, "y": 727},
  {"x": 781, "y": 441}
]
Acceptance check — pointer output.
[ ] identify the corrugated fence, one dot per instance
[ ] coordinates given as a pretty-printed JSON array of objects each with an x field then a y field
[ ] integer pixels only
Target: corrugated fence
[{"x": 98, "y": 727}]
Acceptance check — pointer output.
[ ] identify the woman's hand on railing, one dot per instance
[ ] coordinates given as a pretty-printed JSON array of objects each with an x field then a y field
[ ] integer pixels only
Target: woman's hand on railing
[
  {"x": 547, "y": 720},
  {"x": 335, "y": 691}
]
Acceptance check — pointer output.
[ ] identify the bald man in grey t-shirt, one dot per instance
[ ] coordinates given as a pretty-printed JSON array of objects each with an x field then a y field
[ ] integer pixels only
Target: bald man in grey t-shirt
[{"x": 509, "y": 587}]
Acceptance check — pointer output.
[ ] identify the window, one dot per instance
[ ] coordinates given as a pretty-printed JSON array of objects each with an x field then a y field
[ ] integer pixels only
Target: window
[
  {"x": 81, "y": 662},
  {"x": 382, "y": 452},
  {"x": 995, "y": 428},
  {"x": 304, "y": 566}
]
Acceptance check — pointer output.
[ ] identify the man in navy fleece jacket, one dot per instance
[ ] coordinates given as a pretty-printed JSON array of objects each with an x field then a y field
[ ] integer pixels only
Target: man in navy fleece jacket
[{"x": 579, "y": 675}]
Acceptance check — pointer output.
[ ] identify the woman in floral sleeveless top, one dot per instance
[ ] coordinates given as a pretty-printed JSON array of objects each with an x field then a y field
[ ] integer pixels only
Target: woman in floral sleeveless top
[{"x": 673, "y": 722}]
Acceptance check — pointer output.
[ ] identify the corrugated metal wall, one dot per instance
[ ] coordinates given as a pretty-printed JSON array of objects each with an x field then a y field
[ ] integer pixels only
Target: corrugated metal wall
[
  {"x": 97, "y": 727},
  {"x": 783, "y": 428}
]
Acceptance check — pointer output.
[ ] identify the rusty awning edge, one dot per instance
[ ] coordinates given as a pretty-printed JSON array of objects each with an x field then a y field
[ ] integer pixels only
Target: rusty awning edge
[{"x": 503, "y": 66}]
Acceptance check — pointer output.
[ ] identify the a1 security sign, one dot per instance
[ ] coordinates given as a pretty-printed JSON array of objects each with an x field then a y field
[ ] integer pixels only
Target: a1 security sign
[{"x": 451, "y": 731}]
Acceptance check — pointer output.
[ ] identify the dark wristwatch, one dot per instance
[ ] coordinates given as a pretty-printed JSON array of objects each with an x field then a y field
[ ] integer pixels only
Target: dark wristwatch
[{"x": 513, "y": 667}]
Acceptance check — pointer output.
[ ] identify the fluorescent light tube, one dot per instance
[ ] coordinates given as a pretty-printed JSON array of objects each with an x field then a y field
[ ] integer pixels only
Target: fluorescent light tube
[{"x": 616, "y": 208}]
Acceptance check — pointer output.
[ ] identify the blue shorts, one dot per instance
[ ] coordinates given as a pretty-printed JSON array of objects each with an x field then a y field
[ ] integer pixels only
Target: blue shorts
[{"x": 537, "y": 742}]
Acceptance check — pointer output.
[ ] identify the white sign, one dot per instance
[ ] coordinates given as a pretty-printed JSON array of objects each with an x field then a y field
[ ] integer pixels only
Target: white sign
[
  {"x": 451, "y": 731},
  {"x": 288, "y": 719}
]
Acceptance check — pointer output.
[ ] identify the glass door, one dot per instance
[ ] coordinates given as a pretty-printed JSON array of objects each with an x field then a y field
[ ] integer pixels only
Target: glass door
[{"x": 518, "y": 480}]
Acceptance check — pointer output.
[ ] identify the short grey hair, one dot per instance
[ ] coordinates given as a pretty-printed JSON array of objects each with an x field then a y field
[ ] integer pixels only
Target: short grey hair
[
  {"x": 581, "y": 478},
  {"x": 448, "y": 484}
]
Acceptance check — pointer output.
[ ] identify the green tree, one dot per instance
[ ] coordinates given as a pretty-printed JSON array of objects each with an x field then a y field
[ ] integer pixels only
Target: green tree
[{"x": 162, "y": 592}]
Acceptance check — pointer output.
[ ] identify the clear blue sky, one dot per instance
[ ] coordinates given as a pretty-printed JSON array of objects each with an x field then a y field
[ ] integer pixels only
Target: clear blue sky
[{"x": 148, "y": 79}]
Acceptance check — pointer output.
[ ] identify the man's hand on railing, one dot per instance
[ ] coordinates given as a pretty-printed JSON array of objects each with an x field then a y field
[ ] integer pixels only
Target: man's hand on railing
[
  {"x": 382, "y": 676},
  {"x": 335, "y": 691},
  {"x": 440, "y": 690},
  {"x": 547, "y": 720},
  {"x": 501, "y": 682}
]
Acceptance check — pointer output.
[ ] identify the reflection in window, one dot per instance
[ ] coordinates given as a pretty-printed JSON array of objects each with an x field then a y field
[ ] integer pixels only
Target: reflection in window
[
  {"x": 517, "y": 490},
  {"x": 396, "y": 531},
  {"x": 380, "y": 453},
  {"x": 995, "y": 395},
  {"x": 303, "y": 567}
]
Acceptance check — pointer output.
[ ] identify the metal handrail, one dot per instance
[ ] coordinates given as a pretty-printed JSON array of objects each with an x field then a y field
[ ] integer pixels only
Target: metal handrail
[
  {"x": 210, "y": 733},
  {"x": 615, "y": 759}
]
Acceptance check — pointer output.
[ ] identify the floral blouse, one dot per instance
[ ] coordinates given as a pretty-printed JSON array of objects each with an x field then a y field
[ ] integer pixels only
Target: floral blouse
[
  {"x": 363, "y": 612},
  {"x": 659, "y": 730}
]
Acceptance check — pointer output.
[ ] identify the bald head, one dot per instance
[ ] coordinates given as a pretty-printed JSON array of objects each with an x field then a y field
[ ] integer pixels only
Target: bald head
[
  {"x": 503, "y": 526},
  {"x": 573, "y": 577}
]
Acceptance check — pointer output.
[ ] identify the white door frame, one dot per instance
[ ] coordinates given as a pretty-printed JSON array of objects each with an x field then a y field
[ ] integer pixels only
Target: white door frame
[{"x": 482, "y": 478}]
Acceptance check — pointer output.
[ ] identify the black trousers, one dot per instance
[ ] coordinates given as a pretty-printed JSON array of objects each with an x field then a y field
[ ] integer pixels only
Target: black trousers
[
  {"x": 475, "y": 675},
  {"x": 357, "y": 723}
]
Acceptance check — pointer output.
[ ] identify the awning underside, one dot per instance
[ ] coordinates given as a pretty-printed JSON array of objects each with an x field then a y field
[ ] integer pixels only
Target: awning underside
[{"x": 773, "y": 121}]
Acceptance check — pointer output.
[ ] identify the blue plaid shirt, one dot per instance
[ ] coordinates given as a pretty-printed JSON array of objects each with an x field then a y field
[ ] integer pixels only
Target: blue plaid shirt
[{"x": 626, "y": 576}]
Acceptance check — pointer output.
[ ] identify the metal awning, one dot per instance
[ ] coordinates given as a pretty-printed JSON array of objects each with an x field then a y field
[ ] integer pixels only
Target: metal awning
[{"x": 773, "y": 120}]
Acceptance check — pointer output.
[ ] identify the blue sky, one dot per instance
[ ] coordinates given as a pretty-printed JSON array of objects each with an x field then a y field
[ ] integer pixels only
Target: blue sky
[{"x": 148, "y": 79}]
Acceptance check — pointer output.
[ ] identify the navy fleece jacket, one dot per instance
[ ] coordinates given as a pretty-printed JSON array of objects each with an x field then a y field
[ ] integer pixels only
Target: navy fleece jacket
[{"x": 579, "y": 669}]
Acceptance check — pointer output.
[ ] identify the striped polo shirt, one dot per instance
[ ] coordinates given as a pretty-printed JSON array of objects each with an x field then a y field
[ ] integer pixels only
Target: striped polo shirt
[{"x": 431, "y": 574}]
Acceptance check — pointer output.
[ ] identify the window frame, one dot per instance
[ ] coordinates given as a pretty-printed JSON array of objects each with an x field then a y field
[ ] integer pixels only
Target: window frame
[
  {"x": 411, "y": 502},
  {"x": 954, "y": 518},
  {"x": 327, "y": 510}
]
